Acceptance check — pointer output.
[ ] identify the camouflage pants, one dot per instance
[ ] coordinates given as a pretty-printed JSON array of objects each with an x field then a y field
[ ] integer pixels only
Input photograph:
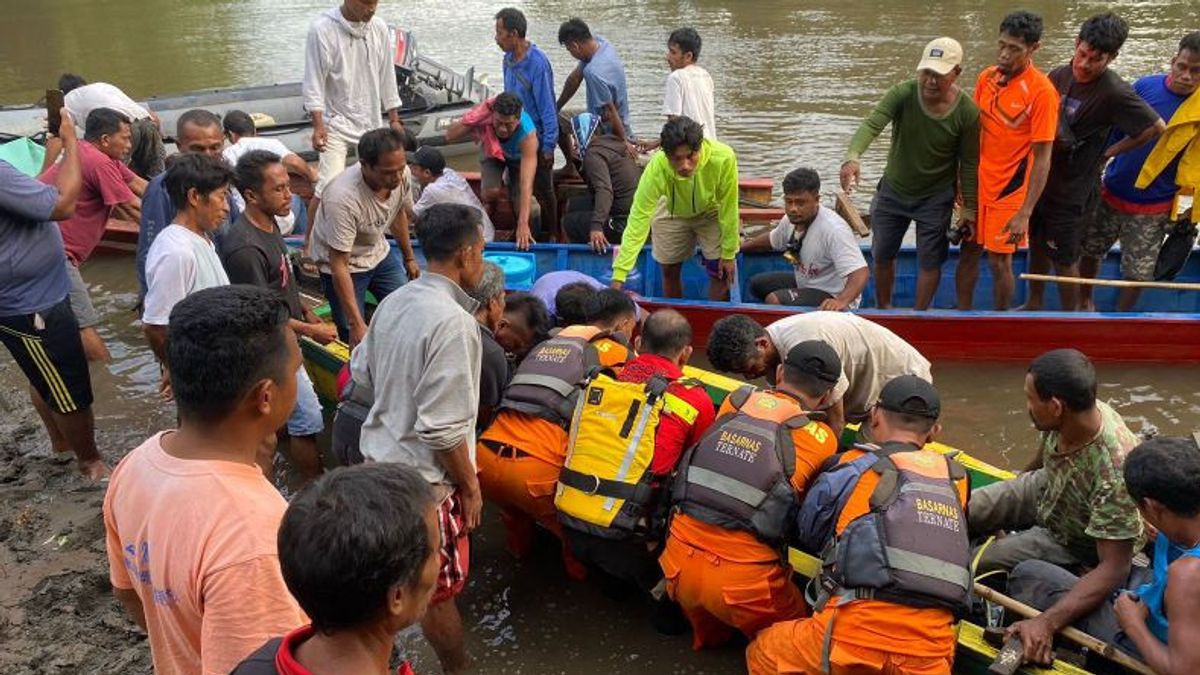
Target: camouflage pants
[{"x": 1141, "y": 237}]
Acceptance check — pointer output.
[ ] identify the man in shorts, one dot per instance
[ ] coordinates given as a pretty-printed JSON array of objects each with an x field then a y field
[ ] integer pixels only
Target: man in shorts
[
  {"x": 1140, "y": 218},
  {"x": 687, "y": 194},
  {"x": 1018, "y": 117},
  {"x": 935, "y": 147},
  {"x": 110, "y": 190},
  {"x": 36, "y": 323},
  {"x": 1096, "y": 102}
]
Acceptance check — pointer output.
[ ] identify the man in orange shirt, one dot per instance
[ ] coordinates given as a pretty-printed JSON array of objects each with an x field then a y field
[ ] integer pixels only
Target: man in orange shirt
[
  {"x": 189, "y": 519},
  {"x": 903, "y": 625},
  {"x": 1018, "y": 118},
  {"x": 735, "y": 495},
  {"x": 521, "y": 453}
]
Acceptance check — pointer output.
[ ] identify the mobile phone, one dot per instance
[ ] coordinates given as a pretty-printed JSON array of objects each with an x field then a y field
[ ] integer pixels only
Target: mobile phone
[{"x": 54, "y": 104}]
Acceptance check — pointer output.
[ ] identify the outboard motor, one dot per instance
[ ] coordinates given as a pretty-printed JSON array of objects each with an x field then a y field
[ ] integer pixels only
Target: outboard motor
[{"x": 405, "y": 62}]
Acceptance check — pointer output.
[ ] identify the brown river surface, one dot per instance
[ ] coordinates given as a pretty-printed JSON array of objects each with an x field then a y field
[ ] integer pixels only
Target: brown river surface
[{"x": 792, "y": 81}]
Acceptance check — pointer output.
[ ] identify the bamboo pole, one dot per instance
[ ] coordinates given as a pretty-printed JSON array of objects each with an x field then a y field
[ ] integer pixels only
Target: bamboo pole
[
  {"x": 1118, "y": 283},
  {"x": 1071, "y": 633}
]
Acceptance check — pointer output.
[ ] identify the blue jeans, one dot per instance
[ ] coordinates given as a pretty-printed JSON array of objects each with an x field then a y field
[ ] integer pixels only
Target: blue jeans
[{"x": 387, "y": 276}]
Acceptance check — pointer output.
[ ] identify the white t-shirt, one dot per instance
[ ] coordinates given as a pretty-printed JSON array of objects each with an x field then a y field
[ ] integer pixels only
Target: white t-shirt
[
  {"x": 452, "y": 188},
  {"x": 180, "y": 262},
  {"x": 828, "y": 255},
  {"x": 82, "y": 101},
  {"x": 689, "y": 93},
  {"x": 233, "y": 153},
  {"x": 352, "y": 219},
  {"x": 871, "y": 354}
]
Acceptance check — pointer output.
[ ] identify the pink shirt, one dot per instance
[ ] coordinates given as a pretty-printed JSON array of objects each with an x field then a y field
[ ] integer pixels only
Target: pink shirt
[
  {"x": 105, "y": 184},
  {"x": 195, "y": 539}
]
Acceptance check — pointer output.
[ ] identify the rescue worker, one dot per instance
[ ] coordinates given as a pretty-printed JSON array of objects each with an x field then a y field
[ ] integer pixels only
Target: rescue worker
[
  {"x": 735, "y": 496},
  {"x": 521, "y": 453},
  {"x": 895, "y": 612},
  {"x": 610, "y": 496}
]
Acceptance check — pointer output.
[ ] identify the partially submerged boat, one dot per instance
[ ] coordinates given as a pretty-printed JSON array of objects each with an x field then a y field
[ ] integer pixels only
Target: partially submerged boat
[{"x": 433, "y": 96}]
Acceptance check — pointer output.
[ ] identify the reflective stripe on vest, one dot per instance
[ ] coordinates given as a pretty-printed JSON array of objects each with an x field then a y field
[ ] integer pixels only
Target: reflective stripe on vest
[
  {"x": 730, "y": 487},
  {"x": 680, "y": 408},
  {"x": 558, "y": 386},
  {"x": 631, "y": 448},
  {"x": 927, "y": 566}
]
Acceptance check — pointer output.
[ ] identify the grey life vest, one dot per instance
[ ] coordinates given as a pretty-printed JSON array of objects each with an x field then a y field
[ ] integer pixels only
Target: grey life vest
[
  {"x": 738, "y": 476},
  {"x": 549, "y": 379}
]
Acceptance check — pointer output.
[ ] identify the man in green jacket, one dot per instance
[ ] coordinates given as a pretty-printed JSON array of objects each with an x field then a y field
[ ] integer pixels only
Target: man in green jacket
[
  {"x": 934, "y": 152},
  {"x": 687, "y": 194}
]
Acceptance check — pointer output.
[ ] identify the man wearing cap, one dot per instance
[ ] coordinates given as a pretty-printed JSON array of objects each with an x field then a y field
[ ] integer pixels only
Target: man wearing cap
[
  {"x": 871, "y": 355},
  {"x": 441, "y": 185},
  {"x": 912, "y": 631},
  {"x": 934, "y": 154},
  {"x": 725, "y": 570}
]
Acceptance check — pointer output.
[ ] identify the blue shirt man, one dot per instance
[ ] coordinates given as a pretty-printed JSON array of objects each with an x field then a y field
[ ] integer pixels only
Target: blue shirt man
[
  {"x": 1122, "y": 172},
  {"x": 601, "y": 68},
  {"x": 527, "y": 73}
]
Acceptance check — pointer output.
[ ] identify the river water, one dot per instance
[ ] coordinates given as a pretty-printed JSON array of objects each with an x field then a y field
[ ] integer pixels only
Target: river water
[{"x": 792, "y": 80}]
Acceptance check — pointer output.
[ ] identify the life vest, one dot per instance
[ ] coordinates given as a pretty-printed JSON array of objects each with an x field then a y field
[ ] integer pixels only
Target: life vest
[
  {"x": 905, "y": 542},
  {"x": 738, "y": 476},
  {"x": 548, "y": 381},
  {"x": 606, "y": 487}
]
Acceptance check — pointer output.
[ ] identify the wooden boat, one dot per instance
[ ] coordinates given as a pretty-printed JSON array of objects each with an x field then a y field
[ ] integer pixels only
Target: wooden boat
[{"x": 433, "y": 96}]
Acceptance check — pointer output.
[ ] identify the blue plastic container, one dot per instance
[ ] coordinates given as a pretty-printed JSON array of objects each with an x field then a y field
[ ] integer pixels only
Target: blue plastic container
[{"x": 518, "y": 268}]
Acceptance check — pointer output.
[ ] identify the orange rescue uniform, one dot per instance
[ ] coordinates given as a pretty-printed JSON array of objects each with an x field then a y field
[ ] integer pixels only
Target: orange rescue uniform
[
  {"x": 869, "y": 635},
  {"x": 727, "y": 579},
  {"x": 519, "y": 458},
  {"x": 1013, "y": 115}
]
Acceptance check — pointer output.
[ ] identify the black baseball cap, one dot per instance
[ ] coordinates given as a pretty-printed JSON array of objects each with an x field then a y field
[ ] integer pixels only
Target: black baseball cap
[
  {"x": 815, "y": 358},
  {"x": 429, "y": 158},
  {"x": 911, "y": 395}
]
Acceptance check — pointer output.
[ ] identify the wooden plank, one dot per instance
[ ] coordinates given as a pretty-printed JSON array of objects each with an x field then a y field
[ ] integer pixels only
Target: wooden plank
[{"x": 846, "y": 209}]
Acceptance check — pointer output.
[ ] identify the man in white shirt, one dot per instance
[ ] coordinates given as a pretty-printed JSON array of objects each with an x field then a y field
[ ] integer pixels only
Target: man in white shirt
[
  {"x": 829, "y": 269},
  {"x": 871, "y": 355},
  {"x": 441, "y": 185},
  {"x": 349, "y": 79},
  {"x": 243, "y": 137},
  {"x": 182, "y": 259},
  {"x": 147, "y": 153},
  {"x": 689, "y": 90}
]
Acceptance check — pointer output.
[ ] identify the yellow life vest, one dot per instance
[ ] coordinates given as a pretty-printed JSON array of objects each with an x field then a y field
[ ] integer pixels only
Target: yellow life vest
[{"x": 605, "y": 486}]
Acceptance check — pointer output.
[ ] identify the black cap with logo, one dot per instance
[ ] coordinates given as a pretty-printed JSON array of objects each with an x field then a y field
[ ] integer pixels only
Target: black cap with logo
[{"x": 911, "y": 395}]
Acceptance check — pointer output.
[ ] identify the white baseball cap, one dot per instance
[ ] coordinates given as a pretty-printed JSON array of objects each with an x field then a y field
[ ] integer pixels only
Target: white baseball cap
[{"x": 941, "y": 56}]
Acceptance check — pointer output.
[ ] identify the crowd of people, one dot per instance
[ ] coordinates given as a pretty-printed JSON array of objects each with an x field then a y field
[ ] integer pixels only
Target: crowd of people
[{"x": 568, "y": 408}]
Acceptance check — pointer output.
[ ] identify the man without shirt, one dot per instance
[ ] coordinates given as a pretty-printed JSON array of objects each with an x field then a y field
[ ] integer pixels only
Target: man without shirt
[
  {"x": 110, "y": 190},
  {"x": 1018, "y": 117},
  {"x": 190, "y": 523},
  {"x": 348, "y": 236},
  {"x": 182, "y": 259},
  {"x": 197, "y": 131},
  {"x": 934, "y": 152},
  {"x": 253, "y": 252},
  {"x": 1095, "y": 102},
  {"x": 829, "y": 269},
  {"x": 1140, "y": 218}
]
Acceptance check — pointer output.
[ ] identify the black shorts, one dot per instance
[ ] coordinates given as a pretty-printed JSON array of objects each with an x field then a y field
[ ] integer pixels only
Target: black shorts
[
  {"x": 1059, "y": 235},
  {"x": 626, "y": 559},
  {"x": 891, "y": 215},
  {"x": 49, "y": 350}
]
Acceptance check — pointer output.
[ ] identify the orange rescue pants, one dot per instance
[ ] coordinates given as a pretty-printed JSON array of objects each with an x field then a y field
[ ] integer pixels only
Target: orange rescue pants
[
  {"x": 523, "y": 487},
  {"x": 796, "y": 647},
  {"x": 719, "y": 596}
]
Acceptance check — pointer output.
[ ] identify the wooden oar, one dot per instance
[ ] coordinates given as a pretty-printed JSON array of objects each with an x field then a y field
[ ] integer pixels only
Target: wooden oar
[
  {"x": 1071, "y": 633},
  {"x": 850, "y": 214},
  {"x": 1118, "y": 283}
]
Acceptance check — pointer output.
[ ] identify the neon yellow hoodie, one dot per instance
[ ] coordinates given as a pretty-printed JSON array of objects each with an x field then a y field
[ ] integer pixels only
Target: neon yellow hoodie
[{"x": 713, "y": 187}]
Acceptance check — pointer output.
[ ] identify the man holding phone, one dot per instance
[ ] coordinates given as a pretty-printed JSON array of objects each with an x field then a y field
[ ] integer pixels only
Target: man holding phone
[
  {"x": 36, "y": 322},
  {"x": 687, "y": 194}
]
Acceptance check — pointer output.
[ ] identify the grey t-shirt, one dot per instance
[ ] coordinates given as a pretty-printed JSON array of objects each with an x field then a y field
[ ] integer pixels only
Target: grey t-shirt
[{"x": 351, "y": 219}]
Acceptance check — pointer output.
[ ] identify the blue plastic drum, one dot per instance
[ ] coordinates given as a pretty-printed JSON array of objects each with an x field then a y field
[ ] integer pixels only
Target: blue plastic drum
[{"x": 518, "y": 268}]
